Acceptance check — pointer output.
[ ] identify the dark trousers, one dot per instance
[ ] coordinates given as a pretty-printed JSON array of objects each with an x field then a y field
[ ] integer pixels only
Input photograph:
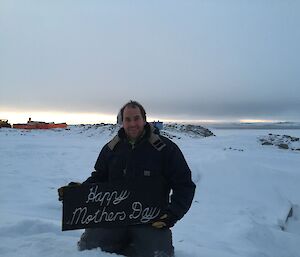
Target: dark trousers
[{"x": 133, "y": 241}]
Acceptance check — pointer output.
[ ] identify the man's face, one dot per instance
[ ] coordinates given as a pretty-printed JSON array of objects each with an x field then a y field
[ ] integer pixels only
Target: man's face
[{"x": 133, "y": 122}]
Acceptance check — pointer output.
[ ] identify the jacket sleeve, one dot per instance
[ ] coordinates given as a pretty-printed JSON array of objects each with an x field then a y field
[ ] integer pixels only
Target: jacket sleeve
[
  {"x": 101, "y": 168},
  {"x": 180, "y": 181}
]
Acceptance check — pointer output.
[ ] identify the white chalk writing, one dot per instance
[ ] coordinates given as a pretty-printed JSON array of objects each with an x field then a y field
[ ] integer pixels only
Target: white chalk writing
[
  {"x": 105, "y": 198},
  {"x": 81, "y": 216},
  {"x": 143, "y": 214}
]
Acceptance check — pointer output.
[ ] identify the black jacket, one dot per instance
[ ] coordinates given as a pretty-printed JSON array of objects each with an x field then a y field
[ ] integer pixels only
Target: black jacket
[{"x": 154, "y": 154}]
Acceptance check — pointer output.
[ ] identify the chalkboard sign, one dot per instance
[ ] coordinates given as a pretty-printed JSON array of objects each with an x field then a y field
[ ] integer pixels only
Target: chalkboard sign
[{"x": 113, "y": 204}]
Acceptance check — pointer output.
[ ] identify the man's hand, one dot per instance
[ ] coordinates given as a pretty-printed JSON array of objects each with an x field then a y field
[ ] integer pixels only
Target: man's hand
[
  {"x": 167, "y": 220},
  {"x": 61, "y": 190}
]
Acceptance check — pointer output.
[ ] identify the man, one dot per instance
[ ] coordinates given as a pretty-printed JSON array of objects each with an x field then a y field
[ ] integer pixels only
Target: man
[{"x": 138, "y": 151}]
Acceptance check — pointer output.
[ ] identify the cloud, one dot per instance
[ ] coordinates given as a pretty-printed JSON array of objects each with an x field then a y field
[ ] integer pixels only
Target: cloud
[{"x": 195, "y": 58}]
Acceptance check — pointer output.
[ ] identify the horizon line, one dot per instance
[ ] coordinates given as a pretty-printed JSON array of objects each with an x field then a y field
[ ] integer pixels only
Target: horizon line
[{"x": 14, "y": 117}]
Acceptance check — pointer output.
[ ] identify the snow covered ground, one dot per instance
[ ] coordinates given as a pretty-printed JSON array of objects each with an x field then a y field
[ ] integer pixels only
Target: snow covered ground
[{"x": 244, "y": 192}]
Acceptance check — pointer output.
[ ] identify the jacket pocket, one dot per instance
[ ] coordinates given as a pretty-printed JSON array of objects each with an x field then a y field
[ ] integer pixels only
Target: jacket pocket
[{"x": 147, "y": 172}]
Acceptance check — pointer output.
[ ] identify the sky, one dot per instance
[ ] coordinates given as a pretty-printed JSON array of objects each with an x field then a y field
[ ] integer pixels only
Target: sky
[{"x": 183, "y": 60}]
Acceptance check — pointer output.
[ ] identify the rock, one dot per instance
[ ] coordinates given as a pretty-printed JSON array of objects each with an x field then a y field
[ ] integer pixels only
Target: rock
[
  {"x": 281, "y": 141},
  {"x": 283, "y": 146},
  {"x": 266, "y": 143},
  {"x": 188, "y": 129},
  {"x": 197, "y": 130}
]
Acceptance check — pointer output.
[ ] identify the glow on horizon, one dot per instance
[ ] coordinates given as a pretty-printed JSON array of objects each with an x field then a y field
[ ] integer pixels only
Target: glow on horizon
[
  {"x": 256, "y": 121},
  {"x": 80, "y": 118},
  {"x": 186, "y": 120},
  {"x": 95, "y": 118}
]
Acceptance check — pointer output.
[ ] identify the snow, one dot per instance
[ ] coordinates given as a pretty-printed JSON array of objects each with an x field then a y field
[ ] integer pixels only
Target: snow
[{"x": 244, "y": 192}]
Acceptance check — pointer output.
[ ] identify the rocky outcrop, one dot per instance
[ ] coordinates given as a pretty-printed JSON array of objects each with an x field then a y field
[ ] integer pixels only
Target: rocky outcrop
[
  {"x": 172, "y": 131},
  {"x": 281, "y": 141},
  {"x": 188, "y": 129}
]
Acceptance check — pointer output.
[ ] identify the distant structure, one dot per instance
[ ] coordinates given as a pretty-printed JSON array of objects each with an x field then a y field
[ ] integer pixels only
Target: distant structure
[
  {"x": 39, "y": 125},
  {"x": 157, "y": 124}
]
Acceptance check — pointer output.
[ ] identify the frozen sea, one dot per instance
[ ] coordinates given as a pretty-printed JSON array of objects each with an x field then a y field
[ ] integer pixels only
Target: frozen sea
[{"x": 244, "y": 194}]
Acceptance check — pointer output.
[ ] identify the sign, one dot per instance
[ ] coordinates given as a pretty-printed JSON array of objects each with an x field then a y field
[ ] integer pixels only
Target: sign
[{"x": 112, "y": 204}]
